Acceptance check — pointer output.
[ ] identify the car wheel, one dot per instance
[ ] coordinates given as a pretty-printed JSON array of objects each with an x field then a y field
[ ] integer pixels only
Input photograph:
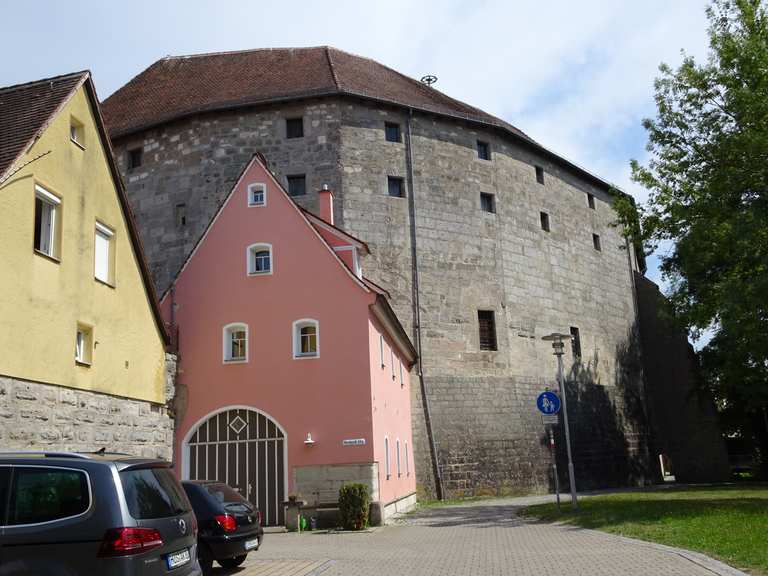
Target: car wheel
[
  {"x": 232, "y": 562},
  {"x": 205, "y": 560}
]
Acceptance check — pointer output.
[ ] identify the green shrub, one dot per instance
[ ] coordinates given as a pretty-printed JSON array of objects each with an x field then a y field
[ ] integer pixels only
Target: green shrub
[{"x": 353, "y": 506}]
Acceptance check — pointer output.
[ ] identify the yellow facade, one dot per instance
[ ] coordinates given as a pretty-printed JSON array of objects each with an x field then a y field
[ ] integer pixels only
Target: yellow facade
[{"x": 42, "y": 300}]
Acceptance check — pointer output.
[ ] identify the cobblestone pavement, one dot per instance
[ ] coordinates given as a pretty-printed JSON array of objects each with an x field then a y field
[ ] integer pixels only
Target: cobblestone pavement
[{"x": 483, "y": 539}]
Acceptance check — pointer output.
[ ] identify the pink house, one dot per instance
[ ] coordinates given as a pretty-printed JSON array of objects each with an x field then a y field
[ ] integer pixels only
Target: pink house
[{"x": 293, "y": 368}]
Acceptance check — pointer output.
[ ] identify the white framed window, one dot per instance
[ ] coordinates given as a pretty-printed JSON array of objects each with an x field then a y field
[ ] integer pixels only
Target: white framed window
[
  {"x": 103, "y": 250},
  {"x": 47, "y": 222},
  {"x": 402, "y": 383},
  {"x": 257, "y": 194},
  {"x": 381, "y": 349},
  {"x": 386, "y": 456},
  {"x": 83, "y": 345},
  {"x": 392, "y": 361},
  {"x": 306, "y": 338},
  {"x": 407, "y": 461},
  {"x": 397, "y": 452},
  {"x": 235, "y": 343},
  {"x": 76, "y": 132},
  {"x": 259, "y": 259}
]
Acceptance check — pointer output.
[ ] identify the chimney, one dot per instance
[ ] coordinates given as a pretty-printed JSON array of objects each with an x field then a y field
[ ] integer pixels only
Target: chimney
[{"x": 325, "y": 202}]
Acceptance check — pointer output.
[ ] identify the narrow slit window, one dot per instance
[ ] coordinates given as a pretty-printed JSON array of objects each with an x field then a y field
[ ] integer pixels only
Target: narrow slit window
[
  {"x": 397, "y": 454},
  {"x": 381, "y": 349},
  {"x": 539, "y": 174},
  {"x": 596, "y": 242},
  {"x": 487, "y": 327},
  {"x": 591, "y": 201},
  {"x": 181, "y": 215},
  {"x": 483, "y": 150},
  {"x": 575, "y": 344},
  {"x": 386, "y": 457},
  {"x": 544, "y": 221}
]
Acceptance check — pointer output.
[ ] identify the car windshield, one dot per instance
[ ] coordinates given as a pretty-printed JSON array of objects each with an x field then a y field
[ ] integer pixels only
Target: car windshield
[
  {"x": 224, "y": 494},
  {"x": 153, "y": 493}
]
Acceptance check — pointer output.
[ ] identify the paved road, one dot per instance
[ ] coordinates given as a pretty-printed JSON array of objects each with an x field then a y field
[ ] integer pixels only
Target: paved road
[{"x": 477, "y": 539}]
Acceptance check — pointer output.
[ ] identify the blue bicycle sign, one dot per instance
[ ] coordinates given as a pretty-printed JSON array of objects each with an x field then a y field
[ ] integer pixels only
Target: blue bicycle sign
[{"x": 548, "y": 403}]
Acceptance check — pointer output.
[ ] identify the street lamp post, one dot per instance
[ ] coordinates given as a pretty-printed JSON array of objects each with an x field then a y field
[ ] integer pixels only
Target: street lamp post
[{"x": 559, "y": 346}]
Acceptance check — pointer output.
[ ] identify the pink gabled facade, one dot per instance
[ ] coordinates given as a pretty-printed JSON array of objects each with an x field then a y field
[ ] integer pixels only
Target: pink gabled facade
[{"x": 265, "y": 409}]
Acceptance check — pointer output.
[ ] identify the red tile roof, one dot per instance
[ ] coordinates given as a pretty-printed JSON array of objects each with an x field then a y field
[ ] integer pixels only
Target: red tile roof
[
  {"x": 27, "y": 109},
  {"x": 179, "y": 86}
]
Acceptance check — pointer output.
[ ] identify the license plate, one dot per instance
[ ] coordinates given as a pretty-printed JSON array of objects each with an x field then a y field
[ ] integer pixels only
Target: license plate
[
  {"x": 251, "y": 544},
  {"x": 177, "y": 559}
]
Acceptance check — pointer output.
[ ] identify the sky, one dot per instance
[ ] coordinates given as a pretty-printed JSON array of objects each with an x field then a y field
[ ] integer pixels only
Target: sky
[{"x": 575, "y": 76}]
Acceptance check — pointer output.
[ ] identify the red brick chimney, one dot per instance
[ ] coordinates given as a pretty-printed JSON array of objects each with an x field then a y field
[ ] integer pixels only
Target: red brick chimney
[{"x": 325, "y": 202}]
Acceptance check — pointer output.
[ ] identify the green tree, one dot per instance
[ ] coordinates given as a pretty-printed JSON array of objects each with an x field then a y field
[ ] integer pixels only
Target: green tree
[{"x": 708, "y": 204}]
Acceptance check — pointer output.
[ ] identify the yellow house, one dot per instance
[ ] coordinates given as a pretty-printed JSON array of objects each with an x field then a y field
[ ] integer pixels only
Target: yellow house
[{"x": 83, "y": 362}]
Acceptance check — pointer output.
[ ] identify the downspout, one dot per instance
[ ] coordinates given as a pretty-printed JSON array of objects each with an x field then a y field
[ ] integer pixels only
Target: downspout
[{"x": 417, "y": 310}]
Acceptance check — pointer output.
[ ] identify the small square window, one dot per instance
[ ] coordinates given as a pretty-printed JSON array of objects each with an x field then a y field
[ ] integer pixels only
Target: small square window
[
  {"x": 591, "y": 201},
  {"x": 483, "y": 150},
  {"x": 539, "y": 174},
  {"x": 294, "y": 127},
  {"x": 575, "y": 344},
  {"x": 487, "y": 202},
  {"x": 83, "y": 345},
  {"x": 395, "y": 187},
  {"x": 297, "y": 185},
  {"x": 181, "y": 215},
  {"x": 76, "y": 132},
  {"x": 596, "y": 242},
  {"x": 544, "y": 221},
  {"x": 487, "y": 325},
  {"x": 257, "y": 194},
  {"x": 392, "y": 132},
  {"x": 47, "y": 222},
  {"x": 135, "y": 158}
]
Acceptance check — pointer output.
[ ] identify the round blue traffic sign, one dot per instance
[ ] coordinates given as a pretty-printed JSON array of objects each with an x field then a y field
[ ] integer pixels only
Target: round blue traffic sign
[{"x": 548, "y": 403}]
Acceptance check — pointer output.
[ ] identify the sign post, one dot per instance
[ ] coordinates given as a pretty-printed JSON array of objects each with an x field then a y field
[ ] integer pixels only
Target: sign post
[{"x": 548, "y": 404}]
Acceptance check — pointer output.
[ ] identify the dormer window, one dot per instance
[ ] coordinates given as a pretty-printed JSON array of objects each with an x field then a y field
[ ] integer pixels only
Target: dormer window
[
  {"x": 306, "y": 338},
  {"x": 235, "y": 343},
  {"x": 259, "y": 259},
  {"x": 257, "y": 194}
]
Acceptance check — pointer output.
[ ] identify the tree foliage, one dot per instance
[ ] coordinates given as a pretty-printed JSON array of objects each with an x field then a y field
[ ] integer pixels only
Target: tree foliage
[{"x": 708, "y": 204}]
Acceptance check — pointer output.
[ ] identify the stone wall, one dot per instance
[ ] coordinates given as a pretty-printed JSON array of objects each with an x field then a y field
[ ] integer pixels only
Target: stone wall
[
  {"x": 489, "y": 436},
  {"x": 39, "y": 417},
  {"x": 319, "y": 485}
]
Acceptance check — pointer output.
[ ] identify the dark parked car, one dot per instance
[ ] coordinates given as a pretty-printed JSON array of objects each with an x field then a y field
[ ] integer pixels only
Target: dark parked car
[
  {"x": 229, "y": 525},
  {"x": 84, "y": 514}
]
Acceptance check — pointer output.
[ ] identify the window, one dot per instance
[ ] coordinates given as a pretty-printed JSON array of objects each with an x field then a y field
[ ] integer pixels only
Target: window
[
  {"x": 487, "y": 325},
  {"x": 395, "y": 187},
  {"x": 407, "y": 461},
  {"x": 392, "y": 132},
  {"x": 135, "y": 158},
  {"x": 236, "y": 342},
  {"x": 83, "y": 345},
  {"x": 392, "y": 361},
  {"x": 575, "y": 344},
  {"x": 397, "y": 452},
  {"x": 487, "y": 202},
  {"x": 45, "y": 494},
  {"x": 181, "y": 215},
  {"x": 402, "y": 383},
  {"x": 259, "y": 259},
  {"x": 386, "y": 456},
  {"x": 539, "y": 174},
  {"x": 257, "y": 194},
  {"x": 297, "y": 185},
  {"x": 103, "y": 248},
  {"x": 47, "y": 222},
  {"x": 306, "y": 338},
  {"x": 483, "y": 150},
  {"x": 5, "y": 479},
  {"x": 294, "y": 127},
  {"x": 544, "y": 221},
  {"x": 381, "y": 349},
  {"x": 596, "y": 242},
  {"x": 76, "y": 132},
  {"x": 152, "y": 493},
  {"x": 591, "y": 201}
]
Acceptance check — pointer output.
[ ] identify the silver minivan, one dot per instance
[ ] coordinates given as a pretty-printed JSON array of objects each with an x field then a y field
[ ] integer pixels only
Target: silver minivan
[{"x": 84, "y": 514}]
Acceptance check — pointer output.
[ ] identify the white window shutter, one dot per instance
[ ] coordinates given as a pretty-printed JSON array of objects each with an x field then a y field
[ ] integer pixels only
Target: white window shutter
[{"x": 102, "y": 256}]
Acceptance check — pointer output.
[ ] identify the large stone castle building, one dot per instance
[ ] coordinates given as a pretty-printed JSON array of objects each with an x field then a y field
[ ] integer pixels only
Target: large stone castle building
[{"x": 486, "y": 240}]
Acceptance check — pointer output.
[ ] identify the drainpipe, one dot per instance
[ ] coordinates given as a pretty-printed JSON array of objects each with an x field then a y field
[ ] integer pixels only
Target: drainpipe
[{"x": 417, "y": 310}]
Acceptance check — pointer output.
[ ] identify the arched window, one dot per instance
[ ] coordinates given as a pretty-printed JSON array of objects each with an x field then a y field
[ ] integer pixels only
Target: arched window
[
  {"x": 235, "y": 343},
  {"x": 306, "y": 338},
  {"x": 259, "y": 259},
  {"x": 386, "y": 456},
  {"x": 257, "y": 194}
]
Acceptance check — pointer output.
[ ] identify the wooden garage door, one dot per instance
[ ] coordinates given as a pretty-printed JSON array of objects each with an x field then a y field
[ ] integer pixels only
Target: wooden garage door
[{"x": 245, "y": 449}]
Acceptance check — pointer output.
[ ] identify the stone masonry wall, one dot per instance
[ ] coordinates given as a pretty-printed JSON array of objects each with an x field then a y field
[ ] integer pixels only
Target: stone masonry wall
[
  {"x": 38, "y": 417},
  {"x": 489, "y": 436}
]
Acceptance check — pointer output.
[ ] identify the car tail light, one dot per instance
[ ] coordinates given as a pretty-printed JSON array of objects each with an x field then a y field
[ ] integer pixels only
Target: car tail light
[
  {"x": 227, "y": 522},
  {"x": 128, "y": 541}
]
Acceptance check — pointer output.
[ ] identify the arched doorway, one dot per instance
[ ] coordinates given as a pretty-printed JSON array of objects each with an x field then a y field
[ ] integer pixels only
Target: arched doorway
[{"x": 246, "y": 449}]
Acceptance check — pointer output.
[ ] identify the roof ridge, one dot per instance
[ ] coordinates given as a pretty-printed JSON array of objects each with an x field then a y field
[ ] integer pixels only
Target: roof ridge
[
  {"x": 23, "y": 85},
  {"x": 245, "y": 51}
]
